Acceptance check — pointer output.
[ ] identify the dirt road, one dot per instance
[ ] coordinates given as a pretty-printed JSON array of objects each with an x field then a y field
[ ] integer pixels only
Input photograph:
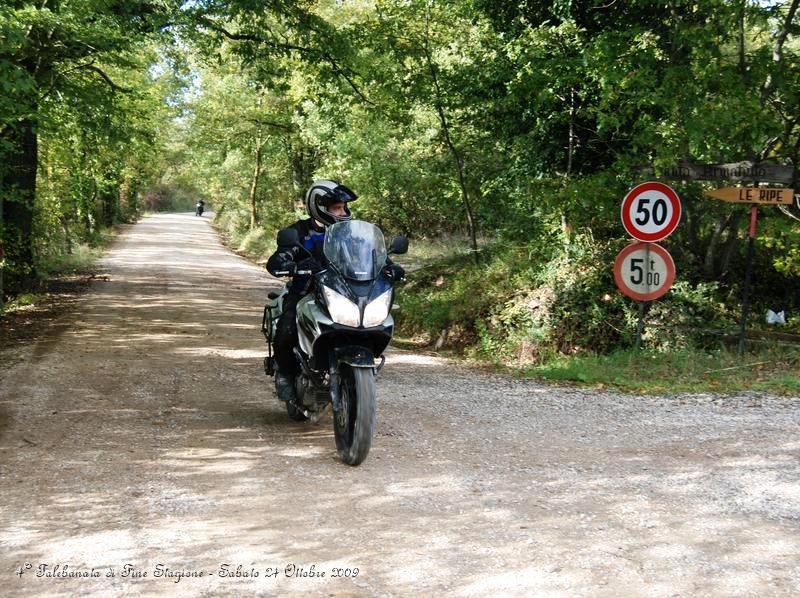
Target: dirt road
[{"x": 142, "y": 448}]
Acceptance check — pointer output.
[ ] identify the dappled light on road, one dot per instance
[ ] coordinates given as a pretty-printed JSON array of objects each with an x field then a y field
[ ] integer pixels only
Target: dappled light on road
[{"x": 146, "y": 433}]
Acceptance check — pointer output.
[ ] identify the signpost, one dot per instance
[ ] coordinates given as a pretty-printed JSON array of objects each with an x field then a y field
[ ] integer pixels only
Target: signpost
[
  {"x": 2, "y": 254},
  {"x": 736, "y": 171},
  {"x": 650, "y": 211},
  {"x": 644, "y": 271},
  {"x": 641, "y": 218},
  {"x": 759, "y": 195},
  {"x": 754, "y": 197}
]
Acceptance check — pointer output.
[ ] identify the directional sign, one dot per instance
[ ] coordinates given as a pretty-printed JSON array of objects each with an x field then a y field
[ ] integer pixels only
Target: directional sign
[
  {"x": 651, "y": 211},
  {"x": 761, "y": 195},
  {"x": 644, "y": 271},
  {"x": 736, "y": 171}
]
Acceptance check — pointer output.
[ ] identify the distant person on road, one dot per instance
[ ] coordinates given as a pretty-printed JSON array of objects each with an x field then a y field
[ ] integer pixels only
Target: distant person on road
[
  {"x": 326, "y": 203},
  {"x": 198, "y": 209}
]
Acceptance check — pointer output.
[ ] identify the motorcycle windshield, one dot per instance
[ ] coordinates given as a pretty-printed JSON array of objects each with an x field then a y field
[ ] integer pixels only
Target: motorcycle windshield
[{"x": 356, "y": 249}]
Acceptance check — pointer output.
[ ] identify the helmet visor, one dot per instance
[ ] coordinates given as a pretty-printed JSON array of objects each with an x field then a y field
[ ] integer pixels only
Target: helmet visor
[{"x": 339, "y": 193}]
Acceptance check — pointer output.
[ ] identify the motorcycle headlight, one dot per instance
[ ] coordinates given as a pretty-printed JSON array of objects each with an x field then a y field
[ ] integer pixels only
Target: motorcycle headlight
[
  {"x": 377, "y": 310},
  {"x": 342, "y": 310}
]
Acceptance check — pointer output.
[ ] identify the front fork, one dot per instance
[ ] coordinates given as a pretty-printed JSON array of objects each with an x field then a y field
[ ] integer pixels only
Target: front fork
[
  {"x": 336, "y": 395},
  {"x": 355, "y": 357}
]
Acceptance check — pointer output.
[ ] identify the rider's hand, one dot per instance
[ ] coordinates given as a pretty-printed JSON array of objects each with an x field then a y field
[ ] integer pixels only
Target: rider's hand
[{"x": 394, "y": 271}]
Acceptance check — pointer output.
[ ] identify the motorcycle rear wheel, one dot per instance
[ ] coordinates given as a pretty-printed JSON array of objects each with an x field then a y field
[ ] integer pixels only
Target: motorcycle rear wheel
[{"x": 354, "y": 424}]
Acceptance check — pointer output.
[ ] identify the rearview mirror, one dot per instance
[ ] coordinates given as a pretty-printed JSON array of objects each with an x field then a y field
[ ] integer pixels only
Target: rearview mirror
[{"x": 399, "y": 245}]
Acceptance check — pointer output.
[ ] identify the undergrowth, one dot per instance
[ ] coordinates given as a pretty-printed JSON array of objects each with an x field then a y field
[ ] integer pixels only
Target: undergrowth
[{"x": 561, "y": 317}]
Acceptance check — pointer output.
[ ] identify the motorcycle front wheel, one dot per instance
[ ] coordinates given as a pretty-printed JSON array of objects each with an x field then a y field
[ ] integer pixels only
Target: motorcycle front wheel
[{"x": 354, "y": 423}]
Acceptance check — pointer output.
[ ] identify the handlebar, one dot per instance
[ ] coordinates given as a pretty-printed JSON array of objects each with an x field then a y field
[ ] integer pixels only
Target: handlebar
[{"x": 297, "y": 273}]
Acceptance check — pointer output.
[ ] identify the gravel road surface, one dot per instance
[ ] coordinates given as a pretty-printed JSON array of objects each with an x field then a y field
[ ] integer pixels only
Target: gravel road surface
[{"x": 142, "y": 452}]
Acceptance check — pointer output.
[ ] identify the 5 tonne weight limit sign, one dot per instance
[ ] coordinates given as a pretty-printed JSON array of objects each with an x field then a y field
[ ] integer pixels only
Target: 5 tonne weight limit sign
[{"x": 644, "y": 271}]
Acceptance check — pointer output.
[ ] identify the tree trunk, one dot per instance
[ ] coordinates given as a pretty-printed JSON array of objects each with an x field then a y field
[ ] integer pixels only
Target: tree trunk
[
  {"x": 254, "y": 186},
  {"x": 448, "y": 140},
  {"x": 109, "y": 200},
  {"x": 713, "y": 269},
  {"x": 711, "y": 250},
  {"x": 18, "y": 186},
  {"x": 462, "y": 183},
  {"x": 302, "y": 164},
  {"x": 741, "y": 41},
  {"x": 731, "y": 244},
  {"x": 566, "y": 228},
  {"x": 777, "y": 50},
  {"x": 67, "y": 234}
]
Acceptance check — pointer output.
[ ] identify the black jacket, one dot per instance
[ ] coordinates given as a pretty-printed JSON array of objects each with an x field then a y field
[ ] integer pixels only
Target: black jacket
[{"x": 312, "y": 238}]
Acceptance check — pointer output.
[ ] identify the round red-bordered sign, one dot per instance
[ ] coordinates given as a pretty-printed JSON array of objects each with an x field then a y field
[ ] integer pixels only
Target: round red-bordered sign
[
  {"x": 644, "y": 271},
  {"x": 651, "y": 211}
]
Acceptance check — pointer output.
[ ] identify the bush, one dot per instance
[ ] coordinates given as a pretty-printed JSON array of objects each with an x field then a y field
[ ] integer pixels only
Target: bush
[{"x": 512, "y": 310}]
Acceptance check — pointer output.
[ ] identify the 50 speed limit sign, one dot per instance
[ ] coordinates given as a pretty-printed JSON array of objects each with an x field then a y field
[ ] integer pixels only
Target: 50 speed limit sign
[
  {"x": 651, "y": 211},
  {"x": 644, "y": 271}
]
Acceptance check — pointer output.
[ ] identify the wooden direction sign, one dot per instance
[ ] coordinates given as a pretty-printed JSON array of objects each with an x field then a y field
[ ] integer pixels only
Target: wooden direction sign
[
  {"x": 736, "y": 171},
  {"x": 761, "y": 195}
]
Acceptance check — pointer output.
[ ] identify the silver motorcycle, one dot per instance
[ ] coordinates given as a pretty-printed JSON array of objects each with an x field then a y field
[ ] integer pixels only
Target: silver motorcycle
[{"x": 343, "y": 326}]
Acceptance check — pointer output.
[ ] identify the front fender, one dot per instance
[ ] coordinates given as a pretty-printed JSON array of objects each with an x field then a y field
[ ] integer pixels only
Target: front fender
[{"x": 355, "y": 356}]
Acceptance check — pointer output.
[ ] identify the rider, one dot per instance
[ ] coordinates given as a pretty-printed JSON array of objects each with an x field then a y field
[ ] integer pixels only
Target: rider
[{"x": 326, "y": 203}]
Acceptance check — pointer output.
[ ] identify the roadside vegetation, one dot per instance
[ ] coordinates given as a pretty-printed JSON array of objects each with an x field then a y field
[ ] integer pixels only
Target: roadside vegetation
[
  {"x": 772, "y": 369},
  {"x": 500, "y": 137},
  {"x": 566, "y": 322},
  {"x": 62, "y": 273}
]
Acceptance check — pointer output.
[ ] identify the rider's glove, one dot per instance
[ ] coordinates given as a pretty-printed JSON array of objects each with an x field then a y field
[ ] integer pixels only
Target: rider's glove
[{"x": 394, "y": 271}]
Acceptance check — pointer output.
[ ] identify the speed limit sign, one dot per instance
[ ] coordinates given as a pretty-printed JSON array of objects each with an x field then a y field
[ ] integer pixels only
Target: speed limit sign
[
  {"x": 644, "y": 271},
  {"x": 651, "y": 211}
]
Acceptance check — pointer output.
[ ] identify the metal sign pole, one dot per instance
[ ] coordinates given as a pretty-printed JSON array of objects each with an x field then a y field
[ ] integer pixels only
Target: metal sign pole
[
  {"x": 648, "y": 269},
  {"x": 747, "y": 278},
  {"x": 2, "y": 253},
  {"x": 640, "y": 325}
]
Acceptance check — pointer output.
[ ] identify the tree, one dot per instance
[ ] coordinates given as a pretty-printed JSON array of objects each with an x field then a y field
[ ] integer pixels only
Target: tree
[{"x": 56, "y": 50}]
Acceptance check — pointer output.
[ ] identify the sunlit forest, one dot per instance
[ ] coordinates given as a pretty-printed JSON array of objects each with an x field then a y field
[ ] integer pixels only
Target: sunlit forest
[{"x": 500, "y": 137}]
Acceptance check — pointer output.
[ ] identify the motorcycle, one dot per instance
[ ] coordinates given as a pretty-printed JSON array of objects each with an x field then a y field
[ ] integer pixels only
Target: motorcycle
[
  {"x": 343, "y": 326},
  {"x": 198, "y": 209}
]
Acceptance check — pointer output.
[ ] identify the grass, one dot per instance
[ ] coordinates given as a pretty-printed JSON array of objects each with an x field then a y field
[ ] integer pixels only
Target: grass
[
  {"x": 257, "y": 245},
  {"x": 80, "y": 261},
  {"x": 62, "y": 270},
  {"x": 774, "y": 370},
  {"x": 24, "y": 302},
  {"x": 424, "y": 252}
]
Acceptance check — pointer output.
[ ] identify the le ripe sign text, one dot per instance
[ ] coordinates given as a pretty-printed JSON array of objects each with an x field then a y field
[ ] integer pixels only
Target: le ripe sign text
[{"x": 757, "y": 195}]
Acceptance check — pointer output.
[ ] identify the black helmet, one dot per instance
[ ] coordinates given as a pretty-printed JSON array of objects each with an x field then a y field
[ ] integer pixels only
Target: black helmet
[{"x": 322, "y": 194}]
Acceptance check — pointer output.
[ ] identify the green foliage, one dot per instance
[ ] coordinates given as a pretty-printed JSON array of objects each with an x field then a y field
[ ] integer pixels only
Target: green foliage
[
  {"x": 80, "y": 261},
  {"x": 522, "y": 124},
  {"x": 79, "y": 114}
]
